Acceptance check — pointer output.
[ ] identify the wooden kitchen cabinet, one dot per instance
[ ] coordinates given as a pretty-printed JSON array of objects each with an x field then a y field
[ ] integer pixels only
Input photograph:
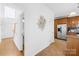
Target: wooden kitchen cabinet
[
  {"x": 72, "y": 21},
  {"x": 62, "y": 21},
  {"x": 55, "y": 27},
  {"x": 72, "y": 46}
]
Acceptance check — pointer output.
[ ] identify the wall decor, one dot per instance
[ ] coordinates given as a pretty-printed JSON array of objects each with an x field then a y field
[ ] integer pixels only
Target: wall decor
[{"x": 41, "y": 22}]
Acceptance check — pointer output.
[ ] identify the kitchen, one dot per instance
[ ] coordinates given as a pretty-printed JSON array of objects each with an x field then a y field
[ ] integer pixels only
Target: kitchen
[{"x": 67, "y": 29}]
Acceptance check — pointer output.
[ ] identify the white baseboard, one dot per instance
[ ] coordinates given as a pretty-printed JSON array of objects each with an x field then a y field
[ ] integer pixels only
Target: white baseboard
[{"x": 45, "y": 46}]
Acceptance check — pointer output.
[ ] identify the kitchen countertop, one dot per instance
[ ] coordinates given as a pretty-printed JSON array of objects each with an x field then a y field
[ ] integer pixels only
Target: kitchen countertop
[{"x": 73, "y": 36}]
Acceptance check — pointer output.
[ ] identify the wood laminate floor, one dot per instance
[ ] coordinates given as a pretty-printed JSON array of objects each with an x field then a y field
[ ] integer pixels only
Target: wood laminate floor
[
  {"x": 8, "y": 48},
  {"x": 55, "y": 49},
  {"x": 62, "y": 48}
]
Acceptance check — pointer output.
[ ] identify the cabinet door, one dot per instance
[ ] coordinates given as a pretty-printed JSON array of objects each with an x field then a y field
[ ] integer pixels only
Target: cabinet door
[
  {"x": 63, "y": 21},
  {"x": 69, "y": 22},
  {"x": 72, "y": 21},
  {"x": 55, "y": 27},
  {"x": 77, "y": 20}
]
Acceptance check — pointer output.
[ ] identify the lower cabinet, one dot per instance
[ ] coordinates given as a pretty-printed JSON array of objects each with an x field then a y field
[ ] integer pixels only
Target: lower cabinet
[{"x": 72, "y": 46}]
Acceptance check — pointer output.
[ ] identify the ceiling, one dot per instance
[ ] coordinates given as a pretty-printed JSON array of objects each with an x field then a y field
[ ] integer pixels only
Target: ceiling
[
  {"x": 63, "y": 9},
  {"x": 60, "y": 9}
]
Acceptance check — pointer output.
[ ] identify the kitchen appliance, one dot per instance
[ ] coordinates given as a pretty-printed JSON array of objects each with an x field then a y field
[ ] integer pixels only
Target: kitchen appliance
[
  {"x": 77, "y": 30},
  {"x": 62, "y": 31}
]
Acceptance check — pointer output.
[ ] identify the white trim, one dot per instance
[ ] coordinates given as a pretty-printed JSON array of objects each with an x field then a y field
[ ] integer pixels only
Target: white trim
[{"x": 45, "y": 46}]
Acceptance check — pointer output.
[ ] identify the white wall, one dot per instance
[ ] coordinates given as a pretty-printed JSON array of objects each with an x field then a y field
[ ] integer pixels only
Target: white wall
[
  {"x": 7, "y": 26},
  {"x": 35, "y": 39}
]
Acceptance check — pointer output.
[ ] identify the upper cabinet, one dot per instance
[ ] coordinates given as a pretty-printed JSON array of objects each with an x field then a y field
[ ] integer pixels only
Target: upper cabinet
[
  {"x": 61, "y": 21},
  {"x": 72, "y": 21}
]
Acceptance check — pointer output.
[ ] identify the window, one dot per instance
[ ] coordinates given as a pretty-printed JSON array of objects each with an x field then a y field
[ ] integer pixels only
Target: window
[{"x": 9, "y": 12}]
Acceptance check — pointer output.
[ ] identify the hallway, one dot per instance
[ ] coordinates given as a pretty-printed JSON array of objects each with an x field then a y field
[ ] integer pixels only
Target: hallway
[{"x": 8, "y": 48}]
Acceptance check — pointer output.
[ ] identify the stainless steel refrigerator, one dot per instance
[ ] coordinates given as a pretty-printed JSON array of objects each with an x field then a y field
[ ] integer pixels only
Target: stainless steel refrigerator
[{"x": 62, "y": 31}]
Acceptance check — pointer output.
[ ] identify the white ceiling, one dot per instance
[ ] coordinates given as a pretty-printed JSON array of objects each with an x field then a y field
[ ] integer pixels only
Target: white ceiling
[
  {"x": 63, "y": 9},
  {"x": 60, "y": 9}
]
